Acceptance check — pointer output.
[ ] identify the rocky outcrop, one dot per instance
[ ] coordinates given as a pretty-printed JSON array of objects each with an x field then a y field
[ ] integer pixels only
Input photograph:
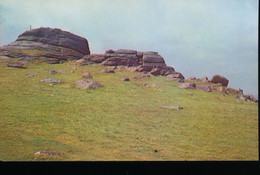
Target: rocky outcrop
[
  {"x": 50, "y": 45},
  {"x": 219, "y": 79},
  {"x": 56, "y": 37},
  {"x": 136, "y": 61}
]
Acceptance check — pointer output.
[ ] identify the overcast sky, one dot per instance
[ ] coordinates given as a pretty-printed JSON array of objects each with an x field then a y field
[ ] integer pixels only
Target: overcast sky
[{"x": 196, "y": 37}]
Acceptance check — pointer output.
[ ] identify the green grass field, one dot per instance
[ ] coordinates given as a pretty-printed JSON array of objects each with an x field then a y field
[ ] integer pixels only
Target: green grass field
[{"x": 121, "y": 121}]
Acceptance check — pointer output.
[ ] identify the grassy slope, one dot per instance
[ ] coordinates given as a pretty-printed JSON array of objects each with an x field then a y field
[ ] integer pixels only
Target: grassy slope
[{"x": 121, "y": 121}]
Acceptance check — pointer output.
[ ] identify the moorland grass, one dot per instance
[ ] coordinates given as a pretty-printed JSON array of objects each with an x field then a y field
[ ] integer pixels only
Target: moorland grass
[{"x": 120, "y": 121}]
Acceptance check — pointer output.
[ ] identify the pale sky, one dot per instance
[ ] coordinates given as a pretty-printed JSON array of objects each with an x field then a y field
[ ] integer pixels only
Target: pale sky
[{"x": 197, "y": 37}]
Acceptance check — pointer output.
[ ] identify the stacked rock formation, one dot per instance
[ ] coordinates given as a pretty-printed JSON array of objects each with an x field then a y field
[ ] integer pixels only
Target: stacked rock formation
[
  {"x": 50, "y": 45},
  {"x": 136, "y": 61}
]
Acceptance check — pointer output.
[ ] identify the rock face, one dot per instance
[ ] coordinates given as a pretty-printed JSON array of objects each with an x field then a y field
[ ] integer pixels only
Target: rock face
[
  {"x": 219, "y": 79},
  {"x": 50, "y": 45},
  {"x": 56, "y": 37}
]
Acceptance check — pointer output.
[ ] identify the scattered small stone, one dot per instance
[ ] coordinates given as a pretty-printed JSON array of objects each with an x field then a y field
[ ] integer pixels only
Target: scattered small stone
[
  {"x": 86, "y": 75},
  {"x": 74, "y": 68},
  {"x": 204, "y": 79},
  {"x": 88, "y": 84},
  {"x": 52, "y": 72},
  {"x": 222, "y": 89},
  {"x": 107, "y": 71},
  {"x": 173, "y": 107},
  {"x": 62, "y": 71},
  {"x": 30, "y": 75},
  {"x": 125, "y": 79},
  {"x": 71, "y": 71},
  {"x": 155, "y": 85},
  {"x": 160, "y": 90},
  {"x": 52, "y": 84},
  {"x": 187, "y": 85},
  {"x": 52, "y": 95},
  {"x": 51, "y": 80},
  {"x": 205, "y": 87},
  {"x": 191, "y": 78},
  {"x": 47, "y": 153}
]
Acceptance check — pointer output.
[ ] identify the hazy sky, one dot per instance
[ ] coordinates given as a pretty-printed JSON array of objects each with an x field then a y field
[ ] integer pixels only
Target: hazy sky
[{"x": 196, "y": 37}]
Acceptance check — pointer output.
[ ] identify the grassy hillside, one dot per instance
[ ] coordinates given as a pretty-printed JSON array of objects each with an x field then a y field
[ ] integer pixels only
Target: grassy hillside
[{"x": 120, "y": 121}]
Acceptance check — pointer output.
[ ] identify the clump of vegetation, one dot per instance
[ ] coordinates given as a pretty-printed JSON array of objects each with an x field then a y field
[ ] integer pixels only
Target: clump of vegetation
[{"x": 121, "y": 121}]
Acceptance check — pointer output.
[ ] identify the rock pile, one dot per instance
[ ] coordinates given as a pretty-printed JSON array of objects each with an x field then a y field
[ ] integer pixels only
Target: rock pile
[{"x": 135, "y": 61}]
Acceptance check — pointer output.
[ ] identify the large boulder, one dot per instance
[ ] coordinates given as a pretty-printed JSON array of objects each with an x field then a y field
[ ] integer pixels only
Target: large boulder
[
  {"x": 219, "y": 79},
  {"x": 56, "y": 37},
  {"x": 50, "y": 45}
]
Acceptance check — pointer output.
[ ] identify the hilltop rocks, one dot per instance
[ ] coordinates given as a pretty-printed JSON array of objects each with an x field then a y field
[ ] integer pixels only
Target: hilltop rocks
[
  {"x": 95, "y": 58},
  {"x": 219, "y": 79},
  {"x": 56, "y": 37},
  {"x": 153, "y": 58},
  {"x": 53, "y": 46},
  {"x": 121, "y": 57},
  {"x": 204, "y": 79},
  {"x": 88, "y": 84},
  {"x": 135, "y": 61},
  {"x": 191, "y": 78}
]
